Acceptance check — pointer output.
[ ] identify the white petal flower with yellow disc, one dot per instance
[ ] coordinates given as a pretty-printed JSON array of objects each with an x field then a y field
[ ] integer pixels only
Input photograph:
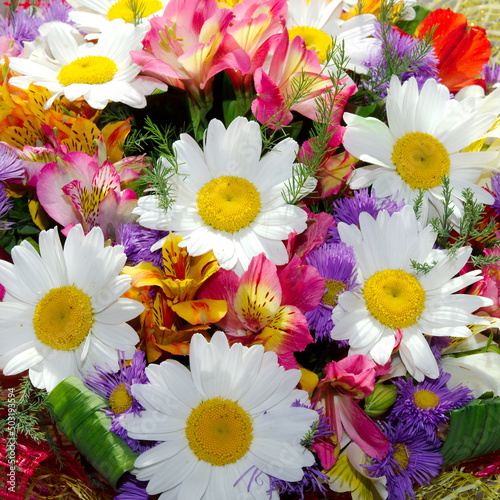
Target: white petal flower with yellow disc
[
  {"x": 397, "y": 305},
  {"x": 62, "y": 312},
  {"x": 99, "y": 72},
  {"x": 423, "y": 142},
  {"x": 228, "y": 199},
  {"x": 224, "y": 427}
]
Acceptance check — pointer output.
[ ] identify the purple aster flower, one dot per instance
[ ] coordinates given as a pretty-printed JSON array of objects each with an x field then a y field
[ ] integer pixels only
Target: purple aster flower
[
  {"x": 115, "y": 387},
  {"x": 491, "y": 75},
  {"x": 138, "y": 240},
  {"x": 348, "y": 210},
  {"x": 423, "y": 407},
  {"x": 56, "y": 10},
  {"x": 132, "y": 489},
  {"x": 11, "y": 166},
  {"x": 5, "y": 206},
  {"x": 412, "y": 457},
  {"x": 495, "y": 189},
  {"x": 23, "y": 27},
  {"x": 438, "y": 345},
  {"x": 398, "y": 46},
  {"x": 337, "y": 266}
]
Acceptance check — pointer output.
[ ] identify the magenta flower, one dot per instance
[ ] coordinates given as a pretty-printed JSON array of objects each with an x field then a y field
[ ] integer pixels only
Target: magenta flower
[{"x": 345, "y": 383}]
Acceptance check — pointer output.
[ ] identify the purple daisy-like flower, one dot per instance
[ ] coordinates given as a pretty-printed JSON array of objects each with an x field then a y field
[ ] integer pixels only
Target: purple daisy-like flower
[
  {"x": 23, "y": 27},
  {"x": 337, "y": 266},
  {"x": 11, "y": 166},
  {"x": 411, "y": 458},
  {"x": 115, "y": 387},
  {"x": 495, "y": 189},
  {"x": 398, "y": 46},
  {"x": 348, "y": 210},
  {"x": 132, "y": 489},
  {"x": 423, "y": 407},
  {"x": 137, "y": 242},
  {"x": 56, "y": 10},
  {"x": 5, "y": 206}
]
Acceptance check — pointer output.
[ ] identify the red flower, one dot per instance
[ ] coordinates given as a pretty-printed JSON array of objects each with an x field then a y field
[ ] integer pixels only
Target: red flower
[{"x": 462, "y": 50}]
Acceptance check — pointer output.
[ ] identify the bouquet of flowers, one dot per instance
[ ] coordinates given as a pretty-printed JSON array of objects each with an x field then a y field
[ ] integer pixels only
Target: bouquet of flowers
[{"x": 249, "y": 250}]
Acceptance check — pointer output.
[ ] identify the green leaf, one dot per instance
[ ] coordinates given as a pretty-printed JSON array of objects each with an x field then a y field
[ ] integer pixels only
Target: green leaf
[
  {"x": 474, "y": 431},
  {"x": 78, "y": 414},
  {"x": 410, "y": 26}
]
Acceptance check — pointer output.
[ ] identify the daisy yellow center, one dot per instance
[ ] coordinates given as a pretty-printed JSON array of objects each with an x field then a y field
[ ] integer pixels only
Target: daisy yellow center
[
  {"x": 402, "y": 456},
  {"x": 394, "y": 297},
  {"x": 228, "y": 203},
  {"x": 334, "y": 289},
  {"x": 315, "y": 39},
  {"x": 219, "y": 431},
  {"x": 120, "y": 400},
  {"x": 93, "y": 70},
  {"x": 420, "y": 160},
  {"x": 124, "y": 9},
  {"x": 63, "y": 318},
  {"x": 426, "y": 399}
]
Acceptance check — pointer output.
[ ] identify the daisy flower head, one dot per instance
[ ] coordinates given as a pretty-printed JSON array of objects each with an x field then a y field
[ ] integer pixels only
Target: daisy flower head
[
  {"x": 219, "y": 425},
  {"x": 423, "y": 406},
  {"x": 423, "y": 142},
  {"x": 397, "y": 304},
  {"x": 62, "y": 312},
  {"x": 99, "y": 72},
  {"x": 228, "y": 199},
  {"x": 116, "y": 388},
  {"x": 95, "y": 16}
]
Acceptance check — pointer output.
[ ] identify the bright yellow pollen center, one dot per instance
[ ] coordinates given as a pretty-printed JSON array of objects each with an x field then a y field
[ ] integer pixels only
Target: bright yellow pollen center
[
  {"x": 124, "y": 9},
  {"x": 420, "y": 160},
  {"x": 315, "y": 39},
  {"x": 402, "y": 456},
  {"x": 426, "y": 399},
  {"x": 63, "y": 318},
  {"x": 219, "y": 431},
  {"x": 120, "y": 400},
  {"x": 334, "y": 289},
  {"x": 228, "y": 203},
  {"x": 93, "y": 70},
  {"x": 394, "y": 297}
]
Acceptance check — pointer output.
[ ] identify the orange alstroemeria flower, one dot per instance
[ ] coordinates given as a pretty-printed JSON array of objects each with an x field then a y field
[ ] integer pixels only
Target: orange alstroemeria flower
[{"x": 462, "y": 50}]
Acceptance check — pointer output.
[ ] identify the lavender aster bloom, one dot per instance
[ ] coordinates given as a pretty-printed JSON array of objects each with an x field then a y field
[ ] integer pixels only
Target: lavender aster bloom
[
  {"x": 56, "y": 10},
  {"x": 491, "y": 75},
  {"x": 137, "y": 241},
  {"x": 11, "y": 166},
  {"x": 337, "y": 266},
  {"x": 412, "y": 457},
  {"x": 495, "y": 188},
  {"x": 5, "y": 206},
  {"x": 348, "y": 210},
  {"x": 115, "y": 387},
  {"x": 423, "y": 407},
  {"x": 132, "y": 489},
  {"x": 23, "y": 27},
  {"x": 397, "y": 46}
]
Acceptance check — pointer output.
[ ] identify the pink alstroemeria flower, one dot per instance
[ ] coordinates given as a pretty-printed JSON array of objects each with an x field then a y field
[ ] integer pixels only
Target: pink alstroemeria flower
[
  {"x": 345, "y": 383},
  {"x": 189, "y": 44},
  {"x": 267, "y": 307},
  {"x": 78, "y": 189},
  {"x": 275, "y": 81}
]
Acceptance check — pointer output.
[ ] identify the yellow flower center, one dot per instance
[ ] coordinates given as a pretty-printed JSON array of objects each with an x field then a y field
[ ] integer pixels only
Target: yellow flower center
[
  {"x": 125, "y": 9},
  {"x": 93, "y": 70},
  {"x": 219, "y": 431},
  {"x": 228, "y": 203},
  {"x": 63, "y": 318},
  {"x": 315, "y": 39},
  {"x": 394, "y": 297},
  {"x": 426, "y": 399},
  {"x": 120, "y": 400},
  {"x": 334, "y": 289},
  {"x": 402, "y": 456},
  {"x": 420, "y": 160}
]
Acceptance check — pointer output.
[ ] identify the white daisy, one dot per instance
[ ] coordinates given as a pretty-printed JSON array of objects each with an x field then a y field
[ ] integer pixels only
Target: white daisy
[
  {"x": 398, "y": 304},
  {"x": 228, "y": 199},
  {"x": 221, "y": 424},
  {"x": 99, "y": 72},
  {"x": 62, "y": 313},
  {"x": 95, "y": 15},
  {"x": 427, "y": 132},
  {"x": 317, "y": 21}
]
